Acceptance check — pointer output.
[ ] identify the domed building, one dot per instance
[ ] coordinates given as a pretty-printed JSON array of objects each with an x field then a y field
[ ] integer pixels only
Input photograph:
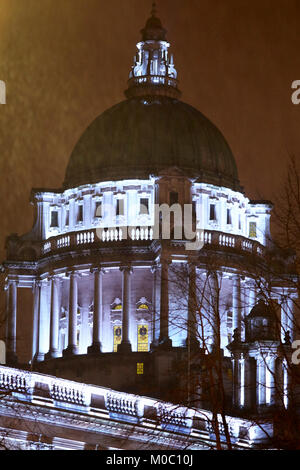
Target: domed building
[{"x": 121, "y": 298}]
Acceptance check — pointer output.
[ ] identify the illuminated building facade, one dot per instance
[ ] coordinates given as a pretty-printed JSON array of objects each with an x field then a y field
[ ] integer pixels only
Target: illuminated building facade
[{"x": 103, "y": 307}]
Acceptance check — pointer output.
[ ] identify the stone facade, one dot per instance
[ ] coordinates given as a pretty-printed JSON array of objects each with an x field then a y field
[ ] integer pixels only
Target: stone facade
[{"x": 117, "y": 302}]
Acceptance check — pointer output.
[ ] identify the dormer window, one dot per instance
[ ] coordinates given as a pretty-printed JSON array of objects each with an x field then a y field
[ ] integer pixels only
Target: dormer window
[
  {"x": 144, "y": 206},
  {"x": 120, "y": 210},
  {"x": 212, "y": 212},
  {"x": 54, "y": 219},
  {"x": 229, "y": 218}
]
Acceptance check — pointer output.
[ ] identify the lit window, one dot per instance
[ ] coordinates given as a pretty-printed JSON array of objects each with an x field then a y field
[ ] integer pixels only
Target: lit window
[
  {"x": 140, "y": 368},
  {"x": 54, "y": 219},
  {"x": 212, "y": 212},
  {"x": 252, "y": 229},
  {"x": 117, "y": 337},
  {"x": 229, "y": 220},
  {"x": 173, "y": 198},
  {"x": 118, "y": 307},
  {"x": 120, "y": 207},
  {"x": 80, "y": 213},
  {"x": 143, "y": 307},
  {"x": 143, "y": 338},
  {"x": 144, "y": 206}
]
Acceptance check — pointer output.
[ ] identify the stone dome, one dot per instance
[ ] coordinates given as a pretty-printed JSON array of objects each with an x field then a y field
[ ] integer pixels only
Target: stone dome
[{"x": 140, "y": 137}]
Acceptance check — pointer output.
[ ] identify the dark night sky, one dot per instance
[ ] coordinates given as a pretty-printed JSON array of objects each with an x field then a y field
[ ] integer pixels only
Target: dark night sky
[{"x": 66, "y": 61}]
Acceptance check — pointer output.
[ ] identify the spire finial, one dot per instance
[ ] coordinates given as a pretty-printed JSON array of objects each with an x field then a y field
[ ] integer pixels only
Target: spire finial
[
  {"x": 154, "y": 9},
  {"x": 153, "y": 71}
]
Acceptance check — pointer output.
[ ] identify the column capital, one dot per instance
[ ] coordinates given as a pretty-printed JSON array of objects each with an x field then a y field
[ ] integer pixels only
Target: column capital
[
  {"x": 154, "y": 268},
  {"x": 37, "y": 283},
  {"x": 54, "y": 277},
  {"x": 73, "y": 273},
  {"x": 97, "y": 269},
  {"x": 165, "y": 259},
  {"x": 191, "y": 266},
  {"x": 126, "y": 268},
  {"x": 14, "y": 280},
  {"x": 214, "y": 275}
]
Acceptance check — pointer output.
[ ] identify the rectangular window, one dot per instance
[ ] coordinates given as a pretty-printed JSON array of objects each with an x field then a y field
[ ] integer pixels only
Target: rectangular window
[
  {"x": 194, "y": 208},
  {"x": 117, "y": 337},
  {"x": 140, "y": 368},
  {"x": 98, "y": 209},
  {"x": 120, "y": 207},
  {"x": 143, "y": 338},
  {"x": 212, "y": 212},
  {"x": 252, "y": 229},
  {"x": 144, "y": 206},
  {"x": 80, "y": 213},
  {"x": 54, "y": 219},
  {"x": 240, "y": 223},
  {"x": 173, "y": 198},
  {"x": 229, "y": 220},
  {"x": 67, "y": 221}
]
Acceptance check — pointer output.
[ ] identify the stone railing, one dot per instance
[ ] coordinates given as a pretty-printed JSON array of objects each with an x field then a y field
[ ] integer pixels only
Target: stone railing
[
  {"x": 16, "y": 381},
  {"x": 175, "y": 418},
  {"x": 104, "y": 235},
  {"x": 117, "y": 234},
  {"x": 124, "y": 407},
  {"x": 153, "y": 80},
  {"x": 70, "y": 393},
  {"x": 93, "y": 401}
]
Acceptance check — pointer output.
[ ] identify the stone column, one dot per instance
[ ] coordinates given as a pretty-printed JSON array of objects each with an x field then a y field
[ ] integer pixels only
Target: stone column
[
  {"x": 283, "y": 317},
  {"x": 154, "y": 271},
  {"x": 125, "y": 346},
  {"x": 164, "y": 340},
  {"x": 192, "y": 340},
  {"x": 236, "y": 306},
  {"x": 73, "y": 306},
  {"x": 271, "y": 371},
  {"x": 35, "y": 318},
  {"x": 286, "y": 383},
  {"x": 248, "y": 382},
  {"x": 98, "y": 308},
  {"x": 261, "y": 380},
  {"x": 236, "y": 380},
  {"x": 251, "y": 297},
  {"x": 215, "y": 322},
  {"x": 39, "y": 320},
  {"x": 54, "y": 319},
  {"x": 11, "y": 328},
  {"x": 290, "y": 317}
]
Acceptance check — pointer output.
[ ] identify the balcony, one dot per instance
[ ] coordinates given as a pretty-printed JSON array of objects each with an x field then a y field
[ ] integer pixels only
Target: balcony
[
  {"x": 104, "y": 236},
  {"x": 153, "y": 85}
]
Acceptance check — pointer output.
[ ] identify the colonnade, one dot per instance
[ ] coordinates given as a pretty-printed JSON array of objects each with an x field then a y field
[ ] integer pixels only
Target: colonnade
[{"x": 160, "y": 312}]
